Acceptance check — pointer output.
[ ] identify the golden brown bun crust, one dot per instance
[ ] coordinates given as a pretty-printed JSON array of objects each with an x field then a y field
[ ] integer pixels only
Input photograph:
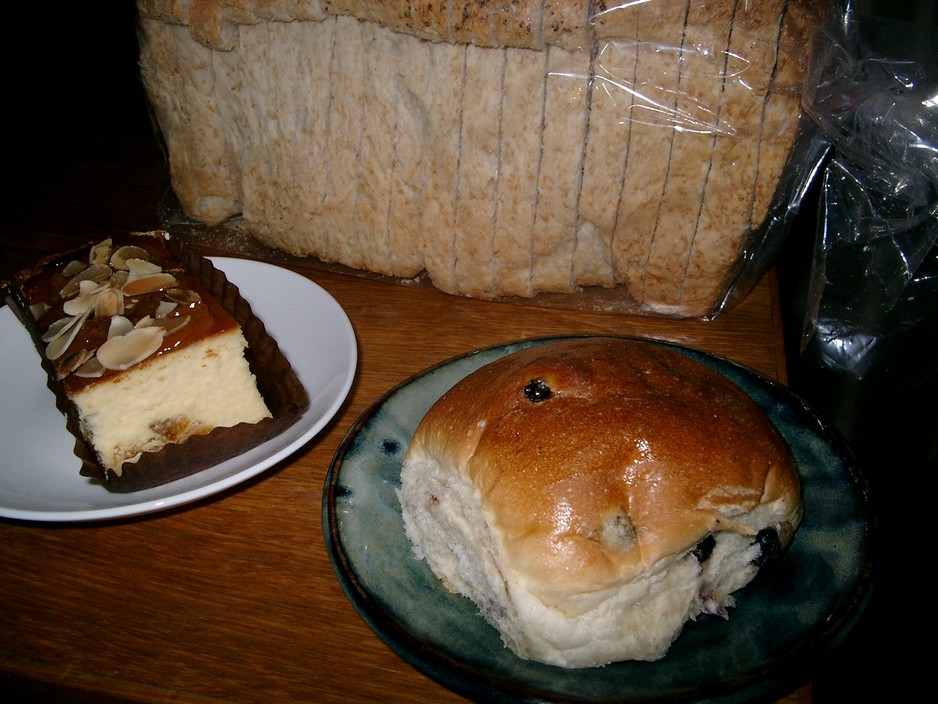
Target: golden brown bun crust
[{"x": 638, "y": 454}]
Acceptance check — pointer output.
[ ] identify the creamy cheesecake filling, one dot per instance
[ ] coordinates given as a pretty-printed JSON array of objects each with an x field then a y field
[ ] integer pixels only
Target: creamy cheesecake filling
[{"x": 170, "y": 399}]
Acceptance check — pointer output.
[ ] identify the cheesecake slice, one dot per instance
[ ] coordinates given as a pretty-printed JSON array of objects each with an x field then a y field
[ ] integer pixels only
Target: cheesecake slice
[{"x": 146, "y": 357}]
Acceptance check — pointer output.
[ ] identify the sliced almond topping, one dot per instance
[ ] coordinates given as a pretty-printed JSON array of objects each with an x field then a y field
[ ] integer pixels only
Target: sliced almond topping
[
  {"x": 57, "y": 347},
  {"x": 59, "y": 327},
  {"x": 95, "y": 272},
  {"x": 109, "y": 286},
  {"x": 118, "y": 278},
  {"x": 169, "y": 325},
  {"x": 148, "y": 284},
  {"x": 91, "y": 369},
  {"x": 184, "y": 296},
  {"x": 88, "y": 291},
  {"x": 68, "y": 363},
  {"x": 100, "y": 253},
  {"x": 164, "y": 308},
  {"x": 74, "y": 267},
  {"x": 120, "y": 257},
  {"x": 119, "y": 326},
  {"x": 124, "y": 351},
  {"x": 109, "y": 302},
  {"x": 141, "y": 267}
]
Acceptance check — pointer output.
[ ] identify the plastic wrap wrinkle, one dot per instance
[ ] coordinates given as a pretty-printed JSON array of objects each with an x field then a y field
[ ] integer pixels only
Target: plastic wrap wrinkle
[
  {"x": 873, "y": 298},
  {"x": 641, "y": 105}
]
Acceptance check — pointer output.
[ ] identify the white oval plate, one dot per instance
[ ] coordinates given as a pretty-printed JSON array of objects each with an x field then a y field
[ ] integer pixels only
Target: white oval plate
[{"x": 39, "y": 472}]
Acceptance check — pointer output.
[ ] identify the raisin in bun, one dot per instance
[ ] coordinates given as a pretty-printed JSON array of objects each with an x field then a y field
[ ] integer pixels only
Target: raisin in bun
[{"x": 591, "y": 495}]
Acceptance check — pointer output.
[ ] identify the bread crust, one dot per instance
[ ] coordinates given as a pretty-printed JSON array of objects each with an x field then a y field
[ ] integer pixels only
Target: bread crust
[
  {"x": 633, "y": 432},
  {"x": 525, "y": 24}
]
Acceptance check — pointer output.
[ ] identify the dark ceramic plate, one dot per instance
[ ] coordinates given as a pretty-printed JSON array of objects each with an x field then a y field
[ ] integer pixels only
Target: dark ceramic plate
[{"x": 783, "y": 622}]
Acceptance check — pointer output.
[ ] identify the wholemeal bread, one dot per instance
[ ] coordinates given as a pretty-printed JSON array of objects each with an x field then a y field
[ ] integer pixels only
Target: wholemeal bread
[
  {"x": 504, "y": 148},
  {"x": 591, "y": 495}
]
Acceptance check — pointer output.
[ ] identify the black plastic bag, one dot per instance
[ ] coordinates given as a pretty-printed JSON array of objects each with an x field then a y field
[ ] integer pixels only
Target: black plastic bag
[{"x": 872, "y": 306}]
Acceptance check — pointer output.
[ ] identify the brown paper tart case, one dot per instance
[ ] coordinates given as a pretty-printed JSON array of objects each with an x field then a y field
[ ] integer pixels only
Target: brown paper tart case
[{"x": 284, "y": 394}]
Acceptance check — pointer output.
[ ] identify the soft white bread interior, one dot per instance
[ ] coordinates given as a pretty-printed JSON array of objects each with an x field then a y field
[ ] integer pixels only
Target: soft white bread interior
[{"x": 591, "y": 495}]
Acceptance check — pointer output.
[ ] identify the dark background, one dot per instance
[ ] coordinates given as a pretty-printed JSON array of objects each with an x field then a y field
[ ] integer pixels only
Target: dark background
[
  {"x": 891, "y": 424},
  {"x": 74, "y": 111}
]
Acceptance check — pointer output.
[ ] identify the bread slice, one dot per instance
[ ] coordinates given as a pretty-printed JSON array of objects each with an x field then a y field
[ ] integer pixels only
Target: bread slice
[
  {"x": 200, "y": 126},
  {"x": 478, "y": 164},
  {"x": 442, "y": 101},
  {"x": 522, "y": 112},
  {"x": 697, "y": 112},
  {"x": 563, "y": 140},
  {"x": 409, "y": 169}
]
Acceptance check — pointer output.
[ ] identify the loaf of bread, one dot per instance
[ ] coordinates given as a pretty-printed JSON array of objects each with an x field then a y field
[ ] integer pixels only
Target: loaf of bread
[
  {"x": 591, "y": 495},
  {"x": 504, "y": 148}
]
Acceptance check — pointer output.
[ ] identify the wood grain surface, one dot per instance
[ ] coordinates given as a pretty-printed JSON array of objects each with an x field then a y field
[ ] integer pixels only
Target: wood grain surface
[{"x": 233, "y": 599}]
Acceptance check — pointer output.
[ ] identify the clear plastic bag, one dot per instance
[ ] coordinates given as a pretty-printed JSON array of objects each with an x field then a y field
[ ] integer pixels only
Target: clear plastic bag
[
  {"x": 872, "y": 303},
  {"x": 643, "y": 156}
]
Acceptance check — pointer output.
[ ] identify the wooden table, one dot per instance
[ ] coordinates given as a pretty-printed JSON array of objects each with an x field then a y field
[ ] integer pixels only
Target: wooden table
[{"x": 233, "y": 598}]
